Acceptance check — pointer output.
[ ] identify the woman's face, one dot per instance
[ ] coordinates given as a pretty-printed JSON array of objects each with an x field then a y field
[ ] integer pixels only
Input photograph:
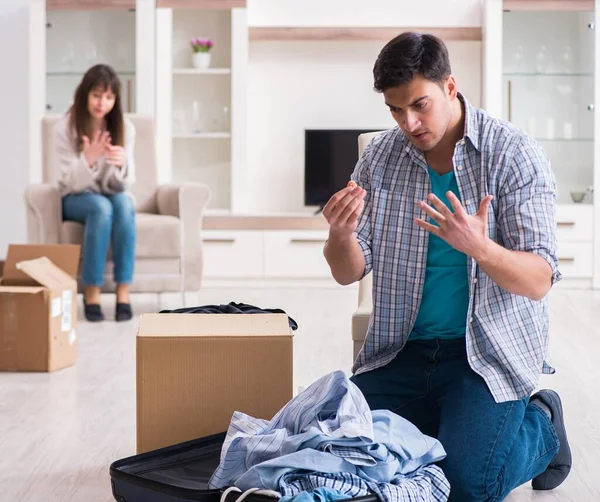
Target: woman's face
[{"x": 100, "y": 102}]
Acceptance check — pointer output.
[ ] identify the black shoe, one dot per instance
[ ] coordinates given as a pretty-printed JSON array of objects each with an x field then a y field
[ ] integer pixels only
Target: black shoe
[
  {"x": 93, "y": 311},
  {"x": 123, "y": 312},
  {"x": 559, "y": 468}
]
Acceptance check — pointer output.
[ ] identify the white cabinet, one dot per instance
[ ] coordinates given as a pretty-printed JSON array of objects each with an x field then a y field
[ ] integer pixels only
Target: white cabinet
[
  {"x": 574, "y": 223},
  {"x": 200, "y": 111},
  {"x": 575, "y": 240},
  {"x": 76, "y": 41},
  {"x": 540, "y": 74},
  {"x": 295, "y": 254},
  {"x": 265, "y": 254},
  {"x": 80, "y": 35},
  {"x": 575, "y": 259},
  {"x": 233, "y": 253}
]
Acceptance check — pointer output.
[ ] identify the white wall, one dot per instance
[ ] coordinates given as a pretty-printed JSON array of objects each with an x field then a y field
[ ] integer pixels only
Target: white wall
[
  {"x": 22, "y": 89},
  {"x": 360, "y": 13},
  {"x": 304, "y": 84}
]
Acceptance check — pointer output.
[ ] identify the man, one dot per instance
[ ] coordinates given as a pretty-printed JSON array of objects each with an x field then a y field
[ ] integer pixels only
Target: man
[{"x": 454, "y": 215}]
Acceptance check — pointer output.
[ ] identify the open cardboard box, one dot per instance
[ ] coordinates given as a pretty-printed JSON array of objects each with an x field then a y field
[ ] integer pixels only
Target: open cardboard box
[
  {"x": 195, "y": 370},
  {"x": 38, "y": 309}
]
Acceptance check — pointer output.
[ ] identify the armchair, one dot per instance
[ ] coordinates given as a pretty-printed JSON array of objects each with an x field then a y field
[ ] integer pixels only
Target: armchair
[
  {"x": 168, "y": 218},
  {"x": 362, "y": 316}
]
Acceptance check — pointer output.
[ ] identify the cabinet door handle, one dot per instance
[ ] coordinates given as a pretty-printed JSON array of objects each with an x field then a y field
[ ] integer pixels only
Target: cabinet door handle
[
  {"x": 567, "y": 259},
  {"x": 509, "y": 100},
  {"x": 565, "y": 224},
  {"x": 220, "y": 241},
  {"x": 308, "y": 241}
]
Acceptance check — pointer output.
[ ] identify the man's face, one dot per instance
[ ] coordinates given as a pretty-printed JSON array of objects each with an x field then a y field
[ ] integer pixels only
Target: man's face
[{"x": 422, "y": 109}]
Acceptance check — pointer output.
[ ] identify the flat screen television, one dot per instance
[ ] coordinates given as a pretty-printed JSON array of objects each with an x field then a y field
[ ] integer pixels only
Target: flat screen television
[{"x": 330, "y": 156}]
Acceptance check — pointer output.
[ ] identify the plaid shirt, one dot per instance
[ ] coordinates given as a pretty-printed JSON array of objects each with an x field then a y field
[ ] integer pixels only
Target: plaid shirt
[
  {"x": 328, "y": 437},
  {"x": 506, "y": 334}
]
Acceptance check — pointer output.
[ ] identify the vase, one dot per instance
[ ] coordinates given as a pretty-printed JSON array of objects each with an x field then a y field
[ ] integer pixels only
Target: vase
[{"x": 201, "y": 59}]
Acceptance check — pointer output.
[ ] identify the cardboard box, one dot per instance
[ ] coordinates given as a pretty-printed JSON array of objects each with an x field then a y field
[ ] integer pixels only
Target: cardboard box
[
  {"x": 195, "y": 370},
  {"x": 38, "y": 310}
]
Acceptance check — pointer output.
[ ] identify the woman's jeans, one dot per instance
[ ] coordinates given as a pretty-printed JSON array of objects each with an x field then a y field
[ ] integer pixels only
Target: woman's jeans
[{"x": 107, "y": 219}]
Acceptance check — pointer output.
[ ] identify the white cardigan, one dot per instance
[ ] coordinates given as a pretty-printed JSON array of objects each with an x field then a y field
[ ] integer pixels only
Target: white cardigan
[{"x": 78, "y": 176}]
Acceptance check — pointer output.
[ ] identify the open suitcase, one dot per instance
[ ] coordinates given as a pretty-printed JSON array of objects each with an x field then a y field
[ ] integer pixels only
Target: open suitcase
[{"x": 177, "y": 473}]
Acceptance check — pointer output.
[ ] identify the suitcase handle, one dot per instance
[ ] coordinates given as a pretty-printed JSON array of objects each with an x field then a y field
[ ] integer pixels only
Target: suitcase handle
[{"x": 117, "y": 497}]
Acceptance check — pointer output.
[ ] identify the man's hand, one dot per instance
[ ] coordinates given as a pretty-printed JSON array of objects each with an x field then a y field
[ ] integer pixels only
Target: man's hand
[
  {"x": 464, "y": 232},
  {"x": 343, "y": 210},
  {"x": 342, "y": 250}
]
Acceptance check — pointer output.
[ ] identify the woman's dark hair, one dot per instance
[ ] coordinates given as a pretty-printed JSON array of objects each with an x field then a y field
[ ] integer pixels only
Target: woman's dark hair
[
  {"x": 98, "y": 77},
  {"x": 411, "y": 54}
]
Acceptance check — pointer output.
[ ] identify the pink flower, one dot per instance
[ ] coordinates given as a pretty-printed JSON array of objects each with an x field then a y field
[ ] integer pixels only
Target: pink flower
[{"x": 201, "y": 44}]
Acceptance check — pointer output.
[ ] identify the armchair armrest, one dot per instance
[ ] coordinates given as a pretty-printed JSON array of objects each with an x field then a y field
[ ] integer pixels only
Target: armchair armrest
[
  {"x": 44, "y": 214},
  {"x": 188, "y": 203}
]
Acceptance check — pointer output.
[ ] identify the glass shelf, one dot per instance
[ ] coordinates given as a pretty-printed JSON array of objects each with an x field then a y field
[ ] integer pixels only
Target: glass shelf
[
  {"x": 534, "y": 74},
  {"x": 80, "y": 73}
]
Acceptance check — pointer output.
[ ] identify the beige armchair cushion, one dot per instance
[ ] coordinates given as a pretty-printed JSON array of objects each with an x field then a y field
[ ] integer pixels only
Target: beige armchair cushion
[{"x": 158, "y": 236}]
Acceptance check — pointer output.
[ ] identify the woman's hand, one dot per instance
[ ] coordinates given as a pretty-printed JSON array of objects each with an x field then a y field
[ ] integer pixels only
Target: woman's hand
[
  {"x": 115, "y": 156},
  {"x": 95, "y": 149}
]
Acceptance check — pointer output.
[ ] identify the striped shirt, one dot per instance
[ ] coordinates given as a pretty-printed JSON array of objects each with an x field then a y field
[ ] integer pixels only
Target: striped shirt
[
  {"x": 506, "y": 334},
  {"x": 328, "y": 437}
]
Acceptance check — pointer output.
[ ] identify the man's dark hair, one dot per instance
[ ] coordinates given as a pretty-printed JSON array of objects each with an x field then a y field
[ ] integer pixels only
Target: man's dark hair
[{"x": 411, "y": 54}]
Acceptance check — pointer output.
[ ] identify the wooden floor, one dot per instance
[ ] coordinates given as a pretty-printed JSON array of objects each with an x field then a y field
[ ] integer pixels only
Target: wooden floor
[{"x": 60, "y": 432}]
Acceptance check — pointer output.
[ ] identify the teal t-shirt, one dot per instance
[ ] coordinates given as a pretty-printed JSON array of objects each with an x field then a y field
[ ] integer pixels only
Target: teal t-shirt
[{"x": 443, "y": 310}]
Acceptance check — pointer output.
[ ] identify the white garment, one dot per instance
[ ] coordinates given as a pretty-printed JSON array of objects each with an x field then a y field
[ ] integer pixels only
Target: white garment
[{"x": 77, "y": 175}]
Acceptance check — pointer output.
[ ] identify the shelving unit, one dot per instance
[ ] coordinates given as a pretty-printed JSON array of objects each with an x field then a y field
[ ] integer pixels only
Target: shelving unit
[
  {"x": 200, "y": 115},
  {"x": 540, "y": 60},
  {"x": 77, "y": 40},
  {"x": 548, "y": 79}
]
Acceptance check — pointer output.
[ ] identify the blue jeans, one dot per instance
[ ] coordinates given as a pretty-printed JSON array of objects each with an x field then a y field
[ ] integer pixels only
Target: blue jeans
[
  {"x": 491, "y": 447},
  {"x": 107, "y": 219}
]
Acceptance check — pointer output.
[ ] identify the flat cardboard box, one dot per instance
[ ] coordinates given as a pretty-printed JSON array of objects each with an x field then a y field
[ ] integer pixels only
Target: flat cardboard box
[
  {"x": 195, "y": 370},
  {"x": 38, "y": 309}
]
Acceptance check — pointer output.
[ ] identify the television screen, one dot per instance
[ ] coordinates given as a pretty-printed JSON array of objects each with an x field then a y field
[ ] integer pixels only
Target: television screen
[{"x": 330, "y": 157}]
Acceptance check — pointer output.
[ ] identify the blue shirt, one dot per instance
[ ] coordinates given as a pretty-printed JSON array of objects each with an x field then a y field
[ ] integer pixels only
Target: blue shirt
[
  {"x": 327, "y": 436},
  {"x": 506, "y": 334},
  {"x": 443, "y": 309}
]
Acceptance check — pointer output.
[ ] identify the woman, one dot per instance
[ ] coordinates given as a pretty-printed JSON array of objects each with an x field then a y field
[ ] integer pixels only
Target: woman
[{"x": 94, "y": 147}]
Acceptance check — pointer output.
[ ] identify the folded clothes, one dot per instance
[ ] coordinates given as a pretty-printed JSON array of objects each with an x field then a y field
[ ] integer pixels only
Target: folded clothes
[
  {"x": 230, "y": 308},
  {"x": 328, "y": 437}
]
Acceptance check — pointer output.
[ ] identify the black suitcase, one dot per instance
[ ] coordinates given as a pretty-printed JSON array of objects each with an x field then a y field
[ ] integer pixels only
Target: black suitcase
[{"x": 178, "y": 473}]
